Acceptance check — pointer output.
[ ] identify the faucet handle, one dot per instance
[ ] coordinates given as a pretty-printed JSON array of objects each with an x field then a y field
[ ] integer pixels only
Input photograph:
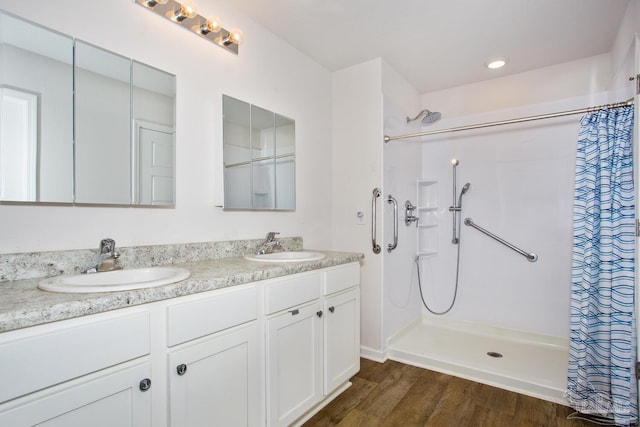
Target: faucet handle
[
  {"x": 107, "y": 246},
  {"x": 271, "y": 235}
]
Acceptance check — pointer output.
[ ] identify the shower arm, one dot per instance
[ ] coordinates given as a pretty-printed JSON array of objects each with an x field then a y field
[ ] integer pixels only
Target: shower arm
[{"x": 531, "y": 257}]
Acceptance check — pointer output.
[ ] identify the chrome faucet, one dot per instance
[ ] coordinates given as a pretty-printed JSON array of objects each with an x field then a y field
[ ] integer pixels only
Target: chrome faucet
[
  {"x": 107, "y": 258},
  {"x": 269, "y": 244}
]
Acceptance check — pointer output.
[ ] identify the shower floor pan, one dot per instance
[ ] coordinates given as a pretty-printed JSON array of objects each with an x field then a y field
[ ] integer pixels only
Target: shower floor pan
[{"x": 535, "y": 365}]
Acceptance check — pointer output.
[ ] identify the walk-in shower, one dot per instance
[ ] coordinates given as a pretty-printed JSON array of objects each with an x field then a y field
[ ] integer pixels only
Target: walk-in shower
[{"x": 456, "y": 210}]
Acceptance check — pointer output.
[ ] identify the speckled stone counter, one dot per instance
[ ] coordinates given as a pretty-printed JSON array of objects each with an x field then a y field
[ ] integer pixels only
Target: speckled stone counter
[{"x": 22, "y": 304}]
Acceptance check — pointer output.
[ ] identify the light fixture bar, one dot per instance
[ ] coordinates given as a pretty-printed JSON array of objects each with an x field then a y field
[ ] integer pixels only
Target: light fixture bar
[{"x": 174, "y": 12}]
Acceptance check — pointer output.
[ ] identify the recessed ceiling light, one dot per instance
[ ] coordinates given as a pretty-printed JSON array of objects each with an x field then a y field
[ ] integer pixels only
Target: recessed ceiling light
[{"x": 497, "y": 63}]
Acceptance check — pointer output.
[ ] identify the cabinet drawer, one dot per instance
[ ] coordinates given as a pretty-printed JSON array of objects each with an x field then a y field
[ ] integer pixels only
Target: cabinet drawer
[
  {"x": 339, "y": 278},
  {"x": 287, "y": 292},
  {"x": 223, "y": 309},
  {"x": 39, "y": 361}
]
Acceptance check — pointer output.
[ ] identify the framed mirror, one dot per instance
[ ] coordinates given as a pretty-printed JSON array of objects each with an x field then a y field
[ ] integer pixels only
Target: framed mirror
[
  {"x": 36, "y": 113},
  {"x": 259, "y": 157}
]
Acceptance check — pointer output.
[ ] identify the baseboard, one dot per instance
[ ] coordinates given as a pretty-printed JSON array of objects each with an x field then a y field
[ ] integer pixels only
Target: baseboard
[{"x": 375, "y": 355}]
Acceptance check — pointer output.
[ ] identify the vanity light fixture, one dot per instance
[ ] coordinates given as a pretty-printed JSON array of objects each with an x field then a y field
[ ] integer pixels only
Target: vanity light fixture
[
  {"x": 184, "y": 14},
  {"x": 497, "y": 63}
]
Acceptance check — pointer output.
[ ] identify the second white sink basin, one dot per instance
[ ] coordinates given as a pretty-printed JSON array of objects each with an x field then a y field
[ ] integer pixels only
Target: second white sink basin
[
  {"x": 117, "y": 280},
  {"x": 292, "y": 256}
]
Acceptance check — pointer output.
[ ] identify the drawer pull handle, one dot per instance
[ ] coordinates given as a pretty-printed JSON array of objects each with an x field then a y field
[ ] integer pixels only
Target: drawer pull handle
[
  {"x": 181, "y": 369},
  {"x": 294, "y": 312},
  {"x": 319, "y": 313},
  {"x": 332, "y": 309},
  {"x": 145, "y": 384}
]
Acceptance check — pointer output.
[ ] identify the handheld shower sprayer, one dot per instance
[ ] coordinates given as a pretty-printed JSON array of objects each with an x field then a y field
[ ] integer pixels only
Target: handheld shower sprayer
[
  {"x": 465, "y": 188},
  {"x": 456, "y": 210}
]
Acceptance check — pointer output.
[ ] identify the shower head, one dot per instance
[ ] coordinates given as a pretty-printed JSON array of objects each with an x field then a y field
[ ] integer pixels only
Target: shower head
[{"x": 428, "y": 117}]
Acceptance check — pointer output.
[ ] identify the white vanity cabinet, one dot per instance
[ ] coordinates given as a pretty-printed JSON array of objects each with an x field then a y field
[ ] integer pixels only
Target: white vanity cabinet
[
  {"x": 293, "y": 346},
  {"x": 267, "y": 353},
  {"x": 77, "y": 373},
  {"x": 214, "y": 377},
  {"x": 312, "y": 339},
  {"x": 341, "y": 295},
  {"x": 341, "y": 338}
]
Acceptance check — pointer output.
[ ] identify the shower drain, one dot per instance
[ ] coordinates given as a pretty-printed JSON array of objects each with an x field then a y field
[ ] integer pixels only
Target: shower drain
[{"x": 494, "y": 354}]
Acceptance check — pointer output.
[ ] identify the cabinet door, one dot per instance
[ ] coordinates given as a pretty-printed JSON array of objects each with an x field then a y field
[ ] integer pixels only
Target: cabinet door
[
  {"x": 294, "y": 363},
  {"x": 99, "y": 400},
  {"x": 214, "y": 382},
  {"x": 342, "y": 338}
]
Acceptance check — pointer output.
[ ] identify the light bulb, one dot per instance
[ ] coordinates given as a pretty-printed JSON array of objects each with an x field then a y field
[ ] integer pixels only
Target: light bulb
[
  {"x": 497, "y": 63},
  {"x": 152, "y": 3},
  {"x": 187, "y": 10},
  {"x": 212, "y": 25},
  {"x": 236, "y": 36}
]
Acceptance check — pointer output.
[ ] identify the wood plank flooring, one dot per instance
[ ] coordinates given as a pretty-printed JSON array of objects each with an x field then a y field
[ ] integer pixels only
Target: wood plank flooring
[{"x": 395, "y": 394}]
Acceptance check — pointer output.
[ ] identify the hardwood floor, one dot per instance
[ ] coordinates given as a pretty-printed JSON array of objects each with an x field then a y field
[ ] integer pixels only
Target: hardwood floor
[{"x": 394, "y": 394}]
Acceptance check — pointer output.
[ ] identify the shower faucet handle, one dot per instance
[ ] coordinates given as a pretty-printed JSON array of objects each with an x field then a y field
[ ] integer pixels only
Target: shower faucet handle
[{"x": 409, "y": 213}]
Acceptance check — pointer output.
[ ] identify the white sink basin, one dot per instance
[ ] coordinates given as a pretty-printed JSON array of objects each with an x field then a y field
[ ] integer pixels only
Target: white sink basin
[
  {"x": 293, "y": 256},
  {"x": 117, "y": 280}
]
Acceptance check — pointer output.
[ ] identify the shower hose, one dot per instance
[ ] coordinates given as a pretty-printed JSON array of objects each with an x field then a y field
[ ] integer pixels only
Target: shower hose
[{"x": 455, "y": 291}]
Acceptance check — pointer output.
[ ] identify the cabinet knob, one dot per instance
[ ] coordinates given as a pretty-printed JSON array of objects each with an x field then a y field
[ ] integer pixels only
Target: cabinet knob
[
  {"x": 319, "y": 313},
  {"x": 332, "y": 309},
  {"x": 181, "y": 369},
  {"x": 145, "y": 384},
  {"x": 294, "y": 312}
]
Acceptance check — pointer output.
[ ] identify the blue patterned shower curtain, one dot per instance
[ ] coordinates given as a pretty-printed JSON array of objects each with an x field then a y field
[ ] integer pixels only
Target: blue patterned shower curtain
[{"x": 602, "y": 355}]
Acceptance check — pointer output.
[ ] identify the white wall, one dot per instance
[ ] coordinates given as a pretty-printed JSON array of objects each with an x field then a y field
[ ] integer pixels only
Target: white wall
[
  {"x": 401, "y": 168},
  {"x": 356, "y": 170},
  {"x": 521, "y": 189},
  {"x": 371, "y": 99},
  {"x": 267, "y": 72}
]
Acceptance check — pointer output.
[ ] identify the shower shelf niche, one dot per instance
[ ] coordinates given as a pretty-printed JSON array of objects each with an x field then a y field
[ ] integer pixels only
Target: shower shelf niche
[{"x": 428, "y": 212}]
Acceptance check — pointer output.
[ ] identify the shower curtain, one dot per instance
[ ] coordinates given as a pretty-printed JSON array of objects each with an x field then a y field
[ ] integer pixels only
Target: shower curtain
[{"x": 602, "y": 354}]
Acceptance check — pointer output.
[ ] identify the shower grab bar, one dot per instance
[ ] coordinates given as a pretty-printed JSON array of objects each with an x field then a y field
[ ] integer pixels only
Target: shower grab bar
[
  {"x": 376, "y": 246},
  {"x": 532, "y": 257},
  {"x": 394, "y": 202}
]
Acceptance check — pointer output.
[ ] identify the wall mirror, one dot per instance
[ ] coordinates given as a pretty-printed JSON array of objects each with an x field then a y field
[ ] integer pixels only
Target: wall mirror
[
  {"x": 36, "y": 113},
  {"x": 259, "y": 157},
  {"x": 124, "y": 121}
]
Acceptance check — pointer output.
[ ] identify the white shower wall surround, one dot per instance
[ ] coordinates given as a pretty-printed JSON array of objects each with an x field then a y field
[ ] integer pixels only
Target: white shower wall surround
[{"x": 522, "y": 179}]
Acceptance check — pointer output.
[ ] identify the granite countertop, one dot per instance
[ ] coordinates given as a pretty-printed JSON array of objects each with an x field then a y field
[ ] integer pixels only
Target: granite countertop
[{"x": 22, "y": 304}]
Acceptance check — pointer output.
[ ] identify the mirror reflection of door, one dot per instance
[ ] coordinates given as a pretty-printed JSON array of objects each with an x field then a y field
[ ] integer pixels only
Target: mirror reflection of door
[
  {"x": 153, "y": 164},
  {"x": 36, "y": 118},
  {"x": 18, "y": 145}
]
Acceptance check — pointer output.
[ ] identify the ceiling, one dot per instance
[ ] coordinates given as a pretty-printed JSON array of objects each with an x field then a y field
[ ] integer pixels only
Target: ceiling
[{"x": 446, "y": 43}]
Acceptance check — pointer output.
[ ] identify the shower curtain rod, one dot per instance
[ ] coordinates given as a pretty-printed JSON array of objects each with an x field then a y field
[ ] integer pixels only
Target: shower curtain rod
[{"x": 626, "y": 103}]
